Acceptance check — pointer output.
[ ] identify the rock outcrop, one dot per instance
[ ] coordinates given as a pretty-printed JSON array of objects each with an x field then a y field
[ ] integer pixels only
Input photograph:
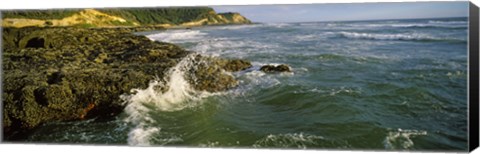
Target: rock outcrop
[
  {"x": 278, "y": 68},
  {"x": 57, "y": 74}
]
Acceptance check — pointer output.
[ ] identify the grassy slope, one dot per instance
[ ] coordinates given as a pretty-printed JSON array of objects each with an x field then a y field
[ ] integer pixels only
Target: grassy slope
[
  {"x": 142, "y": 16},
  {"x": 148, "y": 16},
  {"x": 39, "y": 14}
]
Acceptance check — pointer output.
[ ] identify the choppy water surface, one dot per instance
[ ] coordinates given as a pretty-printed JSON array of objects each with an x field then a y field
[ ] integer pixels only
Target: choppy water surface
[{"x": 391, "y": 84}]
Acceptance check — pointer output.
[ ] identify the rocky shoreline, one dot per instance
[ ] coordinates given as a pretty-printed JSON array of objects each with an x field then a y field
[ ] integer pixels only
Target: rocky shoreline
[{"x": 66, "y": 73}]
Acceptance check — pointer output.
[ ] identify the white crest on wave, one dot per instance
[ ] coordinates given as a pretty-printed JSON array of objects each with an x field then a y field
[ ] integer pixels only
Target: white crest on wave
[
  {"x": 401, "y": 139},
  {"x": 176, "y": 95},
  {"x": 175, "y": 36}
]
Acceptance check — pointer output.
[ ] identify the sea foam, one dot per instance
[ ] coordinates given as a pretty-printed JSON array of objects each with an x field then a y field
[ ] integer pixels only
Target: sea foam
[
  {"x": 172, "y": 93},
  {"x": 400, "y": 36},
  {"x": 299, "y": 140},
  {"x": 401, "y": 139},
  {"x": 175, "y": 36}
]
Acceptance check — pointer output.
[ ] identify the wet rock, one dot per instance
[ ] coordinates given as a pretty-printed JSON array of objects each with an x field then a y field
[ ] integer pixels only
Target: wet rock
[
  {"x": 58, "y": 74},
  {"x": 235, "y": 65},
  {"x": 208, "y": 74},
  {"x": 278, "y": 68}
]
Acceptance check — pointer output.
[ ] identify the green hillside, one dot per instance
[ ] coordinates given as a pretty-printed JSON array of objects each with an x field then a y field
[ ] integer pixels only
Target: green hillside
[
  {"x": 146, "y": 16},
  {"x": 39, "y": 14},
  {"x": 120, "y": 17}
]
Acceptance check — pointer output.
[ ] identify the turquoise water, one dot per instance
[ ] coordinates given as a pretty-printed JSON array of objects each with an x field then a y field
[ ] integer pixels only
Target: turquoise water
[{"x": 390, "y": 84}]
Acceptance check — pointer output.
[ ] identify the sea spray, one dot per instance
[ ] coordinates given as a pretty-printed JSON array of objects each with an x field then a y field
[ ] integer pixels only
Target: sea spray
[{"x": 172, "y": 93}]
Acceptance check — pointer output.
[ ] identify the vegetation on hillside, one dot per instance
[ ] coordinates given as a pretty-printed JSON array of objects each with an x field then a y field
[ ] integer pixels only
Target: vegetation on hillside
[
  {"x": 39, "y": 14},
  {"x": 139, "y": 16},
  {"x": 148, "y": 16}
]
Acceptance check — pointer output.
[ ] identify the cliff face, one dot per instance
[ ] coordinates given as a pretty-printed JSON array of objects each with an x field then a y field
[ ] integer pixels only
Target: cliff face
[{"x": 165, "y": 17}]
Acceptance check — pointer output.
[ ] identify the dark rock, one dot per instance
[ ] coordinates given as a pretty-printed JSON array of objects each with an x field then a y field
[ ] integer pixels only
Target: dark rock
[
  {"x": 209, "y": 73},
  {"x": 272, "y": 68},
  {"x": 58, "y": 74}
]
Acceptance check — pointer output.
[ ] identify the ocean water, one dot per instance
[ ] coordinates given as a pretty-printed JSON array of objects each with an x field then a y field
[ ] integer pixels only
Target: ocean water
[{"x": 370, "y": 85}]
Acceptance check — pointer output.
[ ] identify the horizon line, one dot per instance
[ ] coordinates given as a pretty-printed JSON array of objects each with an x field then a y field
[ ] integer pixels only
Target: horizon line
[{"x": 365, "y": 20}]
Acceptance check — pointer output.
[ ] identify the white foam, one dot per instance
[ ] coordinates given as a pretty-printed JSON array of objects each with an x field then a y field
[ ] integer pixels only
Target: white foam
[
  {"x": 225, "y": 47},
  {"x": 299, "y": 140},
  {"x": 278, "y": 25},
  {"x": 428, "y": 25},
  {"x": 237, "y": 27},
  {"x": 401, "y": 139},
  {"x": 447, "y": 22},
  {"x": 308, "y": 37},
  {"x": 334, "y": 92},
  {"x": 260, "y": 79},
  {"x": 140, "y": 136},
  {"x": 176, "y": 36},
  {"x": 329, "y": 92},
  {"x": 456, "y": 74},
  {"x": 313, "y": 24},
  {"x": 412, "y": 25},
  {"x": 403, "y": 36},
  {"x": 210, "y": 144},
  {"x": 178, "y": 95}
]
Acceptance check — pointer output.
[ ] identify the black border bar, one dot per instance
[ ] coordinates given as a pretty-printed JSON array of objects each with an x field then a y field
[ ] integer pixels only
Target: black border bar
[{"x": 473, "y": 77}]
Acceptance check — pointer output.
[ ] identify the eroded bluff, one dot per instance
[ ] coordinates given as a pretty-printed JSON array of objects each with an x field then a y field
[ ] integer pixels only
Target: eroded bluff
[{"x": 58, "y": 74}]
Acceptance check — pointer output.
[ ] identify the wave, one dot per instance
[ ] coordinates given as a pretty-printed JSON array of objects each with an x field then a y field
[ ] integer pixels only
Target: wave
[
  {"x": 447, "y": 22},
  {"x": 177, "y": 36},
  {"x": 430, "y": 26},
  {"x": 400, "y": 37},
  {"x": 231, "y": 48},
  {"x": 236, "y": 27},
  {"x": 169, "y": 94},
  {"x": 412, "y": 25},
  {"x": 401, "y": 139},
  {"x": 299, "y": 140},
  {"x": 278, "y": 25}
]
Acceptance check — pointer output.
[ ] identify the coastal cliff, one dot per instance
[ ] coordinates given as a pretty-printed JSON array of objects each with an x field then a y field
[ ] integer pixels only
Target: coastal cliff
[{"x": 125, "y": 17}]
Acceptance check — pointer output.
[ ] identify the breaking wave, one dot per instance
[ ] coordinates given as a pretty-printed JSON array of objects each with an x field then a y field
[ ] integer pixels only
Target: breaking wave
[
  {"x": 412, "y": 25},
  {"x": 430, "y": 26},
  {"x": 237, "y": 27},
  {"x": 177, "y": 36},
  {"x": 400, "y": 37},
  {"x": 447, "y": 22},
  {"x": 172, "y": 93}
]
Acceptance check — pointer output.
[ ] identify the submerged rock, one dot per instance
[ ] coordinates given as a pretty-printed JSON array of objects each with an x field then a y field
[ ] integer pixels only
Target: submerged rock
[
  {"x": 278, "y": 68},
  {"x": 57, "y": 74}
]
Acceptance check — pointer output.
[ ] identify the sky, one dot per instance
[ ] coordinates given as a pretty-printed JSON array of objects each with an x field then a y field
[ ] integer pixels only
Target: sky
[{"x": 347, "y": 11}]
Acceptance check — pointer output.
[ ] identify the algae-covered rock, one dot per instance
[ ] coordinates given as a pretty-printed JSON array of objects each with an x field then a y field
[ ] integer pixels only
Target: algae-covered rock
[
  {"x": 55, "y": 74},
  {"x": 278, "y": 68},
  {"x": 58, "y": 74},
  {"x": 213, "y": 73}
]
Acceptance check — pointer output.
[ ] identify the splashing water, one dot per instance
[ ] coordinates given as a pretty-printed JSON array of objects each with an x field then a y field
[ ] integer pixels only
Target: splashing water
[{"x": 178, "y": 95}]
